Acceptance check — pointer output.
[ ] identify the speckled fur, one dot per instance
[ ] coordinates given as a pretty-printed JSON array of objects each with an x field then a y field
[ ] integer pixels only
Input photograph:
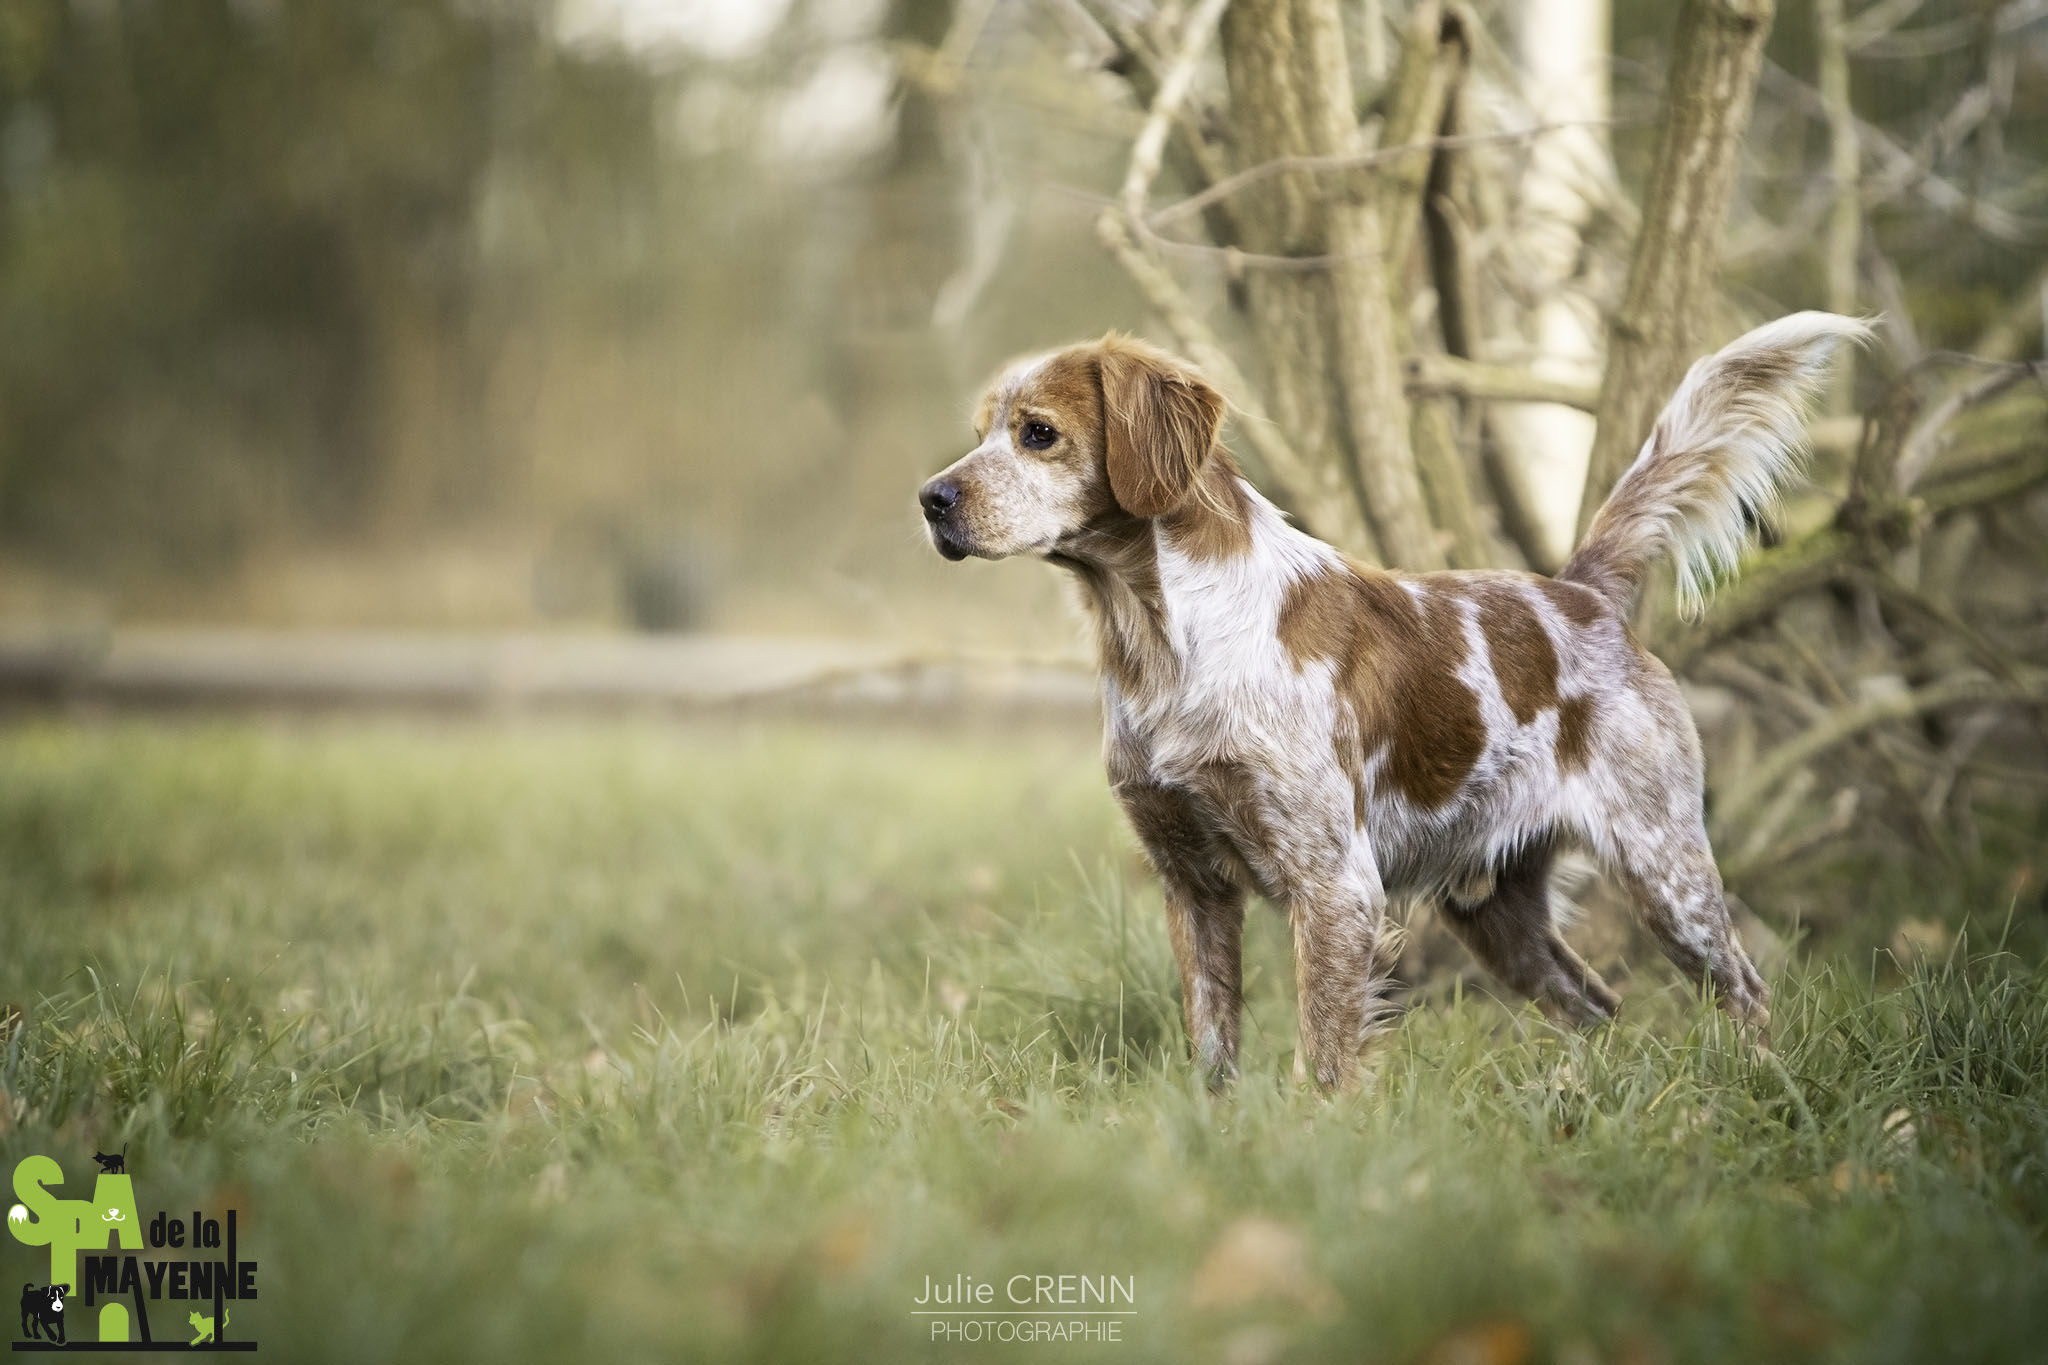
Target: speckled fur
[{"x": 1280, "y": 719}]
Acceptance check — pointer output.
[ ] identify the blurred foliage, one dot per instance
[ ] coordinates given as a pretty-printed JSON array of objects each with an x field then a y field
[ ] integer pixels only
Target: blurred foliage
[
  {"x": 640, "y": 323},
  {"x": 343, "y": 272},
  {"x": 245, "y": 242}
]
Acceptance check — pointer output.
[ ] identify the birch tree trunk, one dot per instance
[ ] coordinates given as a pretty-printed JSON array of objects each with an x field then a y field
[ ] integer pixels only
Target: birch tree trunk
[{"x": 1563, "y": 48}]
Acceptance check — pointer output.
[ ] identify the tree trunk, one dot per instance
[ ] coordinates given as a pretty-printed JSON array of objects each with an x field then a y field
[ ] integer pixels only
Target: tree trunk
[
  {"x": 1327, "y": 338},
  {"x": 1845, "y": 214},
  {"x": 1290, "y": 312},
  {"x": 1656, "y": 333},
  {"x": 1433, "y": 68}
]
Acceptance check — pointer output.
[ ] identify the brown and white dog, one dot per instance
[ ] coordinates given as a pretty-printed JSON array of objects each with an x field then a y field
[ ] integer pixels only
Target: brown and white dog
[{"x": 1282, "y": 719}]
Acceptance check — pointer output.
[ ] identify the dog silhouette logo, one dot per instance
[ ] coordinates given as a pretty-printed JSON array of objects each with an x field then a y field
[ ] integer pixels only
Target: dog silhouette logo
[{"x": 42, "y": 1311}]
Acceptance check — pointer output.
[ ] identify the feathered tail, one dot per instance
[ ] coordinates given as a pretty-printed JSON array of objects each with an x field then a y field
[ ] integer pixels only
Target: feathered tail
[{"x": 1721, "y": 452}]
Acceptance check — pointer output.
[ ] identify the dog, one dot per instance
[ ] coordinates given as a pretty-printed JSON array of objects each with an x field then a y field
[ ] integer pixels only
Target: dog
[
  {"x": 1279, "y": 718},
  {"x": 42, "y": 1311},
  {"x": 117, "y": 1164}
]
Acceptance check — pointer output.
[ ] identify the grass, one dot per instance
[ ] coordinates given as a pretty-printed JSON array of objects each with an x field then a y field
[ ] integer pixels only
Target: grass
[{"x": 637, "y": 1042}]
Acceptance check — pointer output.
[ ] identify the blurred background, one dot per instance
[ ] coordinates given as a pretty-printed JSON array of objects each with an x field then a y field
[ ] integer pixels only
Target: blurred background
[
  {"x": 333, "y": 332},
  {"x": 517, "y": 356},
  {"x": 612, "y": 314},
  {"x": 650, "y": 314},
  {"x": 626, "y": 313}
]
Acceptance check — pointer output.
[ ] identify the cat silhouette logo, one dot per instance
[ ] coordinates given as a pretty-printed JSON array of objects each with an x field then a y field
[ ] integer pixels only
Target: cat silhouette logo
[
  {"x": 204, "y": 1326},
  {"x": 94, "y": 1245}
]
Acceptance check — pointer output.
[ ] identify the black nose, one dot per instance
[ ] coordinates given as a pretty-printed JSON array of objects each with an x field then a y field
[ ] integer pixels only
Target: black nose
[{"x": 938, "y": 498}]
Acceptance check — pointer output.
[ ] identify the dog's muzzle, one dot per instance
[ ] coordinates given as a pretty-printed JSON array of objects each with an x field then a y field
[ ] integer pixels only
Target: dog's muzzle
[{"x": 938, "y": 499}]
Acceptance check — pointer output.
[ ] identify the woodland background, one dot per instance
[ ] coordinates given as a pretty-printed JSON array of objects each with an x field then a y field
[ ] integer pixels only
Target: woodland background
[
  {"x": 457, "y": 350},
  {"x": 613, "y": 315}
]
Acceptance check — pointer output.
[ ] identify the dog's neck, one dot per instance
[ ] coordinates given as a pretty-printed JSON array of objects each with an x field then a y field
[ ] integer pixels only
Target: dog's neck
[
  {"x": 1115, "y": 562},
  {"x": 1130, "y": 568}
]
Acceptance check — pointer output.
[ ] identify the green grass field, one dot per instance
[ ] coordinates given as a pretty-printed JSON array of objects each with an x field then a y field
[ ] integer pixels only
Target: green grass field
[{"x": 638, "y": 1041}]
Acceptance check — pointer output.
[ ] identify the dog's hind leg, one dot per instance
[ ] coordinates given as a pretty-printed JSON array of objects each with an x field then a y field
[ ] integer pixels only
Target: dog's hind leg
[
  {"x": 1513, "y": 935},
  {"x": 1671, "y": 877}
]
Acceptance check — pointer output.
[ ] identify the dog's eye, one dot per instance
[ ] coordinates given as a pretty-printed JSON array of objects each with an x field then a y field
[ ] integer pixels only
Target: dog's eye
[{"x": 1037, "y": 436}]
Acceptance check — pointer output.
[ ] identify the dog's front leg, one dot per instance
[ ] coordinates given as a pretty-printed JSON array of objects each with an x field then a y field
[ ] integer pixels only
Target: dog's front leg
[
  {"x": 1337, "y": 969},
  {"x": 1204, "y": 919}
]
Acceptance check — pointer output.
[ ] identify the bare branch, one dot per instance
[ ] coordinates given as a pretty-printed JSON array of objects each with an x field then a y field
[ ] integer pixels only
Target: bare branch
[
  {"x": 1292, "y": 316},
  {"x": 2001, "y": 664},
  {"x": 1926, "y": 438},
  {"x": 1946, "y": 37},
  {"x": 1097, "y": 46},
  {"x": 1904, "y": 170},
  {"x": 1359, "y": 161},
  {"x": 2026, "y": 314},
  {"x": 1839, "y": 820},
  {"x": 1173, "y": 88},
  {"x": 1433, "y": 57},
  {"x": 1881, "y": 18},
  {"x": 1430, "y": 373},
  {"x": 1433, "y": 60},
  {"x": 1846, "y": 723},
  {"x": 1450, "y": 206},
  {"x": 1368, "y": 358}
]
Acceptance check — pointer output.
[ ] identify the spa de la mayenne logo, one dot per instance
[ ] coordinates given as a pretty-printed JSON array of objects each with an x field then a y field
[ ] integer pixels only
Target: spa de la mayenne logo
[{"x": 181, "y": 1299}]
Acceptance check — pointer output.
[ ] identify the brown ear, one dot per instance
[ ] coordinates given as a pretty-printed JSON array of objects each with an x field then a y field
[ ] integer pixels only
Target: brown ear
[{"x": 1159, "y": 421}]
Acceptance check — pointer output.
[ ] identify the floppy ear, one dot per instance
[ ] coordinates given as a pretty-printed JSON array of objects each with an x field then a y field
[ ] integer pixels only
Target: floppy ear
[{"x": 1159, "y": 420}]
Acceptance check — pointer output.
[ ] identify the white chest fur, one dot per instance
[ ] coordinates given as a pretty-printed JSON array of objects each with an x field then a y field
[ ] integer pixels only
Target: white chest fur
[{"x": 1240, "y": 696}]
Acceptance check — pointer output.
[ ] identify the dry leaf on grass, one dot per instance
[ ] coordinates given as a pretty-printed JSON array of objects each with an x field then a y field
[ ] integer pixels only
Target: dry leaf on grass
[
  {"x": 1260, "y": 1260},
  {"x": 845, "y": 1245},
  {"x": 1846, "y": 1177},
  {"x": 1918, "y": 940},
  {"x": 1502, "y": 1341}
]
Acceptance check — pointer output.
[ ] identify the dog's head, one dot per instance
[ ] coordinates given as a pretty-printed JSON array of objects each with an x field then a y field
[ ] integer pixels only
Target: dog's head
[{"x": 1068, "y": 440}]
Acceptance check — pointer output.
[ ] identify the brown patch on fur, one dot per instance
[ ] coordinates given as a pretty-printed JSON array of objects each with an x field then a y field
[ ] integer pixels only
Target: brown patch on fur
[
  {"x": 1579, "y": 605},
  {"x": 1177, "y": 838},
  {"x": 1574, "y": 733},
  {"x": 1159, "y": 426},
  {"x": 1216, "y": 521},
  {"x": 1397, "y": 666},
  {"x": 1065, "y": 393},
  {"x": 1230, "y": 795},
  {"x": 1523, "y": 658},
  {"x": 1754, "y": 370}
]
